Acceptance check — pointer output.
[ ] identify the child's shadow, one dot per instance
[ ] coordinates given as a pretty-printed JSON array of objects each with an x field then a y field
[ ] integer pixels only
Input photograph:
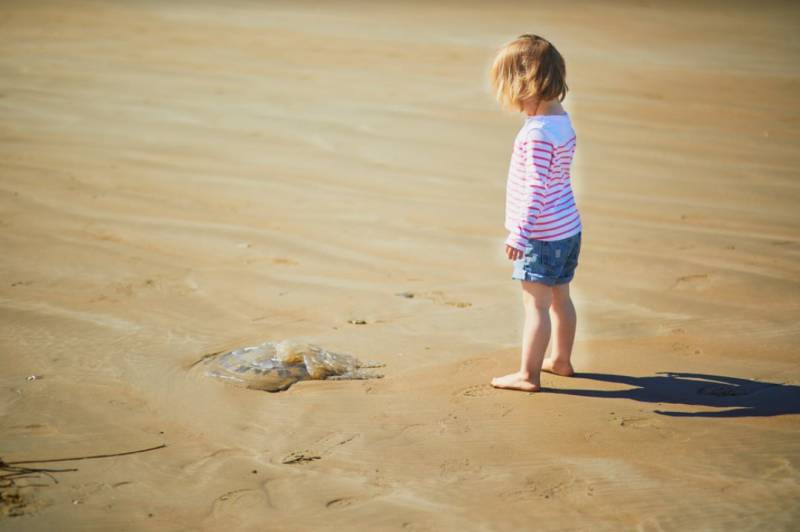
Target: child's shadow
[{"x": 739, "y": 397}]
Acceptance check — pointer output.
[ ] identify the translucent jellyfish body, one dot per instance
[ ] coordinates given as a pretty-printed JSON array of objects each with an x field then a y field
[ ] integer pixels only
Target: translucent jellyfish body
[{"x": 275, "y": 366}]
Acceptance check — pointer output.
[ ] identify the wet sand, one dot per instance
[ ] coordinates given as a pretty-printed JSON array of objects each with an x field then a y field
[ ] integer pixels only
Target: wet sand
[{"x": 180, "y": 179}]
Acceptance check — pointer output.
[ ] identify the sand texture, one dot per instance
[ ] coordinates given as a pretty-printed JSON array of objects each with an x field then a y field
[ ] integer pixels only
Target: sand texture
[{"x": 182, "y": 178}]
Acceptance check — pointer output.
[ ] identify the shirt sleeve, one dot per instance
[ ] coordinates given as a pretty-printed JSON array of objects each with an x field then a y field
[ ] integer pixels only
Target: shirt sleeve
[{"x": 535, "y": 180}]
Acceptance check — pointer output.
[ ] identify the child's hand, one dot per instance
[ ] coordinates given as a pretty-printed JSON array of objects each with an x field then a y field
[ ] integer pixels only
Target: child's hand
[{"x": 513, "y": 253}]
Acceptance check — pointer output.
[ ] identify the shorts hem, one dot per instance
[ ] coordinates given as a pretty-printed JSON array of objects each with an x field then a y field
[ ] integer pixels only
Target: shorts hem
[{"x": 549, "y": 281}]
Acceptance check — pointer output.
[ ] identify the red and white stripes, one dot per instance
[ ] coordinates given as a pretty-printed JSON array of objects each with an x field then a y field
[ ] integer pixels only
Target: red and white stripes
[{"x": 539, "y": 199}]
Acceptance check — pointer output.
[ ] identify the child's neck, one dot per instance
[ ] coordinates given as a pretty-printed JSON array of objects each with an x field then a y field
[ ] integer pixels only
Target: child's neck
[{"x": 548, "y": 107}]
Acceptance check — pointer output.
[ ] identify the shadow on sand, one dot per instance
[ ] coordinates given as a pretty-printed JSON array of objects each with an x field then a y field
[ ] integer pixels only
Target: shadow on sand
[{"x": 739, "y": 397}]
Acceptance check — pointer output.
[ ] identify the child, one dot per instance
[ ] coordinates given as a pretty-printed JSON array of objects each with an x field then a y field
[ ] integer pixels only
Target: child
[{"x": 544, "y": 225}]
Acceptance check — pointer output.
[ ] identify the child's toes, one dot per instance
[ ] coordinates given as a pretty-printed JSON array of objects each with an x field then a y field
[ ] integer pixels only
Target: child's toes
[{"x": 515, "y": 382}]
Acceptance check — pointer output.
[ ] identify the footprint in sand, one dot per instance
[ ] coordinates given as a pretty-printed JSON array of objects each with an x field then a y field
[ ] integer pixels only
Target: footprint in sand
[
  {"x": 458, "y": 468},
  {"x": 236, "y": 502},
  {"x": 451, "y": 423},
  {"x": 344, "y": 490},
  {"x": 686, "y": 349},
  {"x": 437, "y": 296},
  {"x": 549, "y": 484},
  {"x": 210, "y": 464},
  {"x": 116, "y": 291},
  {"x": 697, "y": 281},
  {"x": 323, "y": 446},
  {"x": 471, "y": 363},
  {"x": 476, "y": 390},
  {"x": 648, "y": 424}
]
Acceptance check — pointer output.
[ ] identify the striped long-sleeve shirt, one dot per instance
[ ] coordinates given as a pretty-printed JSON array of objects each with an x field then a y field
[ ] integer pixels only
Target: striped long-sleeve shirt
[{"x": 539, "y": 200}]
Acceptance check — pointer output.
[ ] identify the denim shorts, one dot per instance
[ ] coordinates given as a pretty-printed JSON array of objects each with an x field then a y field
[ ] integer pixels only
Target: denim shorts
[{"x": 548, "y": 262}]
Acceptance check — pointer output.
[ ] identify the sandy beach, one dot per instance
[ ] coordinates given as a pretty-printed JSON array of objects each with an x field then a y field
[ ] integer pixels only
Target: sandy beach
[{"x": 181, "y": 178}]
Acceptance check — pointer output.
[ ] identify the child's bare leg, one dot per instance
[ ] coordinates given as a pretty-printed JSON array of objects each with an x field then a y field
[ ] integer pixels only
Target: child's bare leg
[
  {"x": 564, "y": 319},
  {"x": 536, "y": 298}
]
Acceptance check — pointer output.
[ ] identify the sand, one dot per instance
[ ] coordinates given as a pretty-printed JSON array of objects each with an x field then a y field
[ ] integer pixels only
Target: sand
[{"x": 181, "y": 178}]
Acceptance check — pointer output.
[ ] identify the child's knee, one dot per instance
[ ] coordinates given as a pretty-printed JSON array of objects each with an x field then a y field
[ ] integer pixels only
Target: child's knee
[
  {"x": 560, "y": 294},
  {"x": 538, "y": 299}
]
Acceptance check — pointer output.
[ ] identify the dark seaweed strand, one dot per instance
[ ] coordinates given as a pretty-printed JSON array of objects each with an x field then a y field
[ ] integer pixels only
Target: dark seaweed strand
[{"x": 90, "y": 457}]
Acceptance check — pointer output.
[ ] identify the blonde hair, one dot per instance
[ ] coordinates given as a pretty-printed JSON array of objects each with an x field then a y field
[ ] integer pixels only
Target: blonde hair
[{"x": 528, "y": 67}]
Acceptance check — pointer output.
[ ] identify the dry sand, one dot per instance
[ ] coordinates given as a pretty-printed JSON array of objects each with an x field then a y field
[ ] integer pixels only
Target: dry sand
[{"x": 178, "y": 178}]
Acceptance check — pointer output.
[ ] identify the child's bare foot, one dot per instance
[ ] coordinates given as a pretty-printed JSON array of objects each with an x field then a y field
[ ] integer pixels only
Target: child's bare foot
[
  {"x": 515, "y": 381},
  {"x": 558, "y": 367}
]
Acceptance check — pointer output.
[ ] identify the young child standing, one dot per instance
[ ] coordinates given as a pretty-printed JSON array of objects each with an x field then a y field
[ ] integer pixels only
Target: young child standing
[{"x": 544, "y": 240}]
